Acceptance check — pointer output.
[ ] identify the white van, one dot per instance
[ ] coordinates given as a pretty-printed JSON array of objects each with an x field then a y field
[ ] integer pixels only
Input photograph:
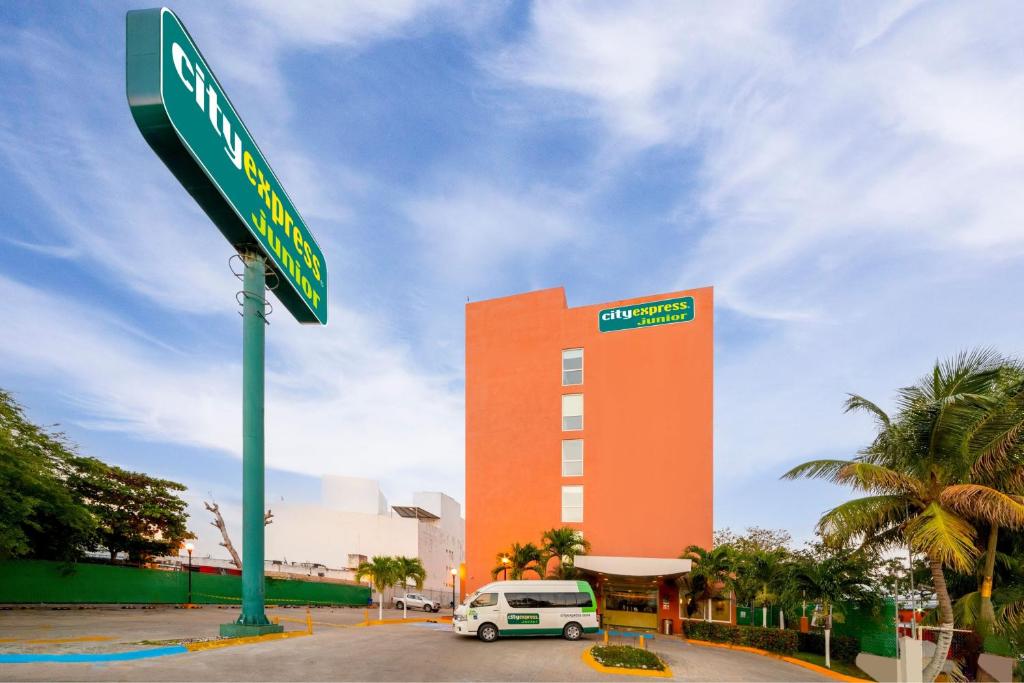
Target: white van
[{"x": 528, "y": 608}]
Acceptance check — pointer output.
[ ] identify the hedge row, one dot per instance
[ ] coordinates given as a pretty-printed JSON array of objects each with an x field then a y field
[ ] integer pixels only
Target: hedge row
[
  {"x": 844, "y": 648},
  {"x": 771, "y": 639}
]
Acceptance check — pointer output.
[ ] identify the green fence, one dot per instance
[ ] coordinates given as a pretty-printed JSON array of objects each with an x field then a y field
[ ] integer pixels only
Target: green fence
[
  {"x": 36, "y": 581},
  {"x": 876, "y": 631}
]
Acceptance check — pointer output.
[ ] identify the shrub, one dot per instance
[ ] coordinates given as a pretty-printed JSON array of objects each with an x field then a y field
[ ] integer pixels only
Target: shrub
[
  {"x": 626, "y": 657},
  {"x": 844, "y": 648},
  {"x": 771, "y": 639}
]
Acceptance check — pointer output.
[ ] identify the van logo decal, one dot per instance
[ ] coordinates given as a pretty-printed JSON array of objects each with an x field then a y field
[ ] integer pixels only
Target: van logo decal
[{"x": 524, "y": 618}]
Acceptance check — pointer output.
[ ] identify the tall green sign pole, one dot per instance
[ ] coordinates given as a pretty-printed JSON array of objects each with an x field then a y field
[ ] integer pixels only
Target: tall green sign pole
[
  {"x": 253, "y": 351},
  {"x": 186, "y": 117}
]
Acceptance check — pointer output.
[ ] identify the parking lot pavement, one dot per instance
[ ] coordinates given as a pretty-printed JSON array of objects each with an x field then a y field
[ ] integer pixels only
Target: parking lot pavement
[{"x": 339, "y": 650}]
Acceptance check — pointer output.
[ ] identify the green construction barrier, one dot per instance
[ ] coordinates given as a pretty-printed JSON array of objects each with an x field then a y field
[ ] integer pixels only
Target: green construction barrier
[
  {"x": 38, "y": 581},
  {"x": 743, "y": 616}
]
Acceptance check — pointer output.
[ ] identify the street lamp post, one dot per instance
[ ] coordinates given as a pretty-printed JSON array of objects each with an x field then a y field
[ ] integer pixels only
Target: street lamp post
[
  {"x": 504, "y": 570},
  {"x": 189, "y": 547},
  {"x": 455, "y": 572}
]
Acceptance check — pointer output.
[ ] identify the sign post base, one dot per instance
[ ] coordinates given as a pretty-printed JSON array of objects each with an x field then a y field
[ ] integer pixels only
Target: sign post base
[{"x": 234, "y": 630}]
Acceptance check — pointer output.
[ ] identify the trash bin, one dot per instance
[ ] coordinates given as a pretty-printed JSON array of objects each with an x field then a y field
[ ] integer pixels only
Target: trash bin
[{"x": 666, "y": 626}]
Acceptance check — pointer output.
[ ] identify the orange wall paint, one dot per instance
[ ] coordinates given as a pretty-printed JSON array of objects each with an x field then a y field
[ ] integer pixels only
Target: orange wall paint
[{"x": 647, "y": 475}]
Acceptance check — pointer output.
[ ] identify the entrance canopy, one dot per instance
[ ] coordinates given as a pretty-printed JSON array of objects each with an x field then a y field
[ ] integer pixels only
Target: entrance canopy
[{"x": 638, "y": 567}]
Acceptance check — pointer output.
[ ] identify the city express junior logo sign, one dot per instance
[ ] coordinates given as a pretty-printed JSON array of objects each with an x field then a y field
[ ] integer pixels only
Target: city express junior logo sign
[
  {"x": 646, "y": 314},
  {"x": 191, "y": 124},
  {"x": 523, "y": 618}
]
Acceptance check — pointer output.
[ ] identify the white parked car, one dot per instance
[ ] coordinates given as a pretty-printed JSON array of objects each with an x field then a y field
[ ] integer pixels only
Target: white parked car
[{"x": 416, "y": 601}]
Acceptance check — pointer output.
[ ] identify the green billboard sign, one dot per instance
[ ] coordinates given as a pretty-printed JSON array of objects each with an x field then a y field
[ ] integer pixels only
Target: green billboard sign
[
  {"x": 647, "y": 314},
  {"x": 190, "y": 123}
]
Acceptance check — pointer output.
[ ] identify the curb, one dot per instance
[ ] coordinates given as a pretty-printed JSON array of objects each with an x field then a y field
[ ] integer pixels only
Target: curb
[
  {"x": 412, "y": 620},
  {"x": 247, "y": 640},
  {"x": 835, "y": 675},
  {"x": 589, "y": 660}
]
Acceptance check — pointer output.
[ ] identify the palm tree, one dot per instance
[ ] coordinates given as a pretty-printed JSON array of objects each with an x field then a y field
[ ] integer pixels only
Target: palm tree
[
  {"x": 520, "y": 559},
  {"x": 564, "y": 543},
  {"x": 711, "y": 570},
  {"x": 410, "y": 568},
  {"x": 919, "y": 471},
  {"x": 768, "y": 568},
  {"x": 382, "y": 571}
]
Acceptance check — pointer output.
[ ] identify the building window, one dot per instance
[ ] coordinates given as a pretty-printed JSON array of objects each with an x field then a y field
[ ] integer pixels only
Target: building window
[
  {"x": 572, "y": 458},
  {"x": 572, "y": 412},
  {"x": 572, "y": 367},
  {"x": 572, "y": 503}
]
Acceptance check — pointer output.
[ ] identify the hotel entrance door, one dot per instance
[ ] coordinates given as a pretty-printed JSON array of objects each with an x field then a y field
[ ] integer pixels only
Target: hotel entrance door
[{"x": 630, "y": 606}]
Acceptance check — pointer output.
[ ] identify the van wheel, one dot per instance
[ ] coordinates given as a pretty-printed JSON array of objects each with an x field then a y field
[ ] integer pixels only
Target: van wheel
[
  {"x": 572, "y": 631},
  {"x": 399, "y": 605},
  {"x": 487, "y": 633},
  {"x": 428, "y": 608}
]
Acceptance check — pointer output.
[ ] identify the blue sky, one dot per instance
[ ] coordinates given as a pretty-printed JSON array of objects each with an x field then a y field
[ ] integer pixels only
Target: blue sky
[{"x": 846, "y": 176}]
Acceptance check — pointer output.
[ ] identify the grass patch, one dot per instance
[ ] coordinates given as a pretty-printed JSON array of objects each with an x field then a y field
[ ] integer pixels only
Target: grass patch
[
  {"x": 837, "y": 666},
  {"x": 626, "y": 657}
]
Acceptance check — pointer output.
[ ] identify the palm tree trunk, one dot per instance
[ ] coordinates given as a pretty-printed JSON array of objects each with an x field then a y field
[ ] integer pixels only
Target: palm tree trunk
[
  {"x": 986, "y": 613},
  {"x": 945, "y": 638}
]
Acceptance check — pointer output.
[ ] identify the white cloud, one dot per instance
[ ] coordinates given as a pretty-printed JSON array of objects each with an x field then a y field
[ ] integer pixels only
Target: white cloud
[
  {"x": 470, "y": 228},
  {"x": 856, "y": 176},
  {"x": 340, "y": 399}
]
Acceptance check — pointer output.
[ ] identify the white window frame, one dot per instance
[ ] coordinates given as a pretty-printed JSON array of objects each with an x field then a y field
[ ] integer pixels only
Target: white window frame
[
  {"x": 572, "y": 489},
  {"x": 582, "y": 409},
  {"x": 564, "y": 461},
  {"x": 573, "y": 384}
]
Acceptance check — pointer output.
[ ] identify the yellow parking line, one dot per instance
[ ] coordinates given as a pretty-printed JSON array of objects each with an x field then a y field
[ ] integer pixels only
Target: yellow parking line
[{"x": 248, "y": 640}]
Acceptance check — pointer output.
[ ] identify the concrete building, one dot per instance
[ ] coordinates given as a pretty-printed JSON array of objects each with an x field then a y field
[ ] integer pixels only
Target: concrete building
[
  {"x": 354, "y": 522},
  {"x": 598, "y": 418}
]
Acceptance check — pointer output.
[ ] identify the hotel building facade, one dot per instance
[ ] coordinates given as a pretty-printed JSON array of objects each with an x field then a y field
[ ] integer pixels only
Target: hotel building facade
[{"x": 598, "y": 418}]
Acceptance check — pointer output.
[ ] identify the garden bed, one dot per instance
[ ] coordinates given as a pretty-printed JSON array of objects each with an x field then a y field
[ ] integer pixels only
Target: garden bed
[{"x": 626, "y": 657}]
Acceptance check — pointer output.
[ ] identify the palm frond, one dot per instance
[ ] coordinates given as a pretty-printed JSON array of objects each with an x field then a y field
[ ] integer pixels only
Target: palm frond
[
  {"x": 862, "y": 518},
  {"x": 818, "y": 469},
  {"x": 984, "y": 503},
  {"x": 855, "y": 402},
  {"x": 943, "y": 535}
]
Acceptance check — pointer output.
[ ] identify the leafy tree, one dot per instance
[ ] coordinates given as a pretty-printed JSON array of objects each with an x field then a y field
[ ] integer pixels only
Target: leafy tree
[
  {"x": 521, "y": 559},
  {"x": 832, "y": 576},
  {"x": 711, "y": 571},
  {"x": 922, "y": 477},
  {"x": 410, "y": 568},
  {"x": 564, "y": 544},
  {"x": 137, "y": 514},
  {"x": 756, "y": 539},
  {"x": 39, "y": 516}
]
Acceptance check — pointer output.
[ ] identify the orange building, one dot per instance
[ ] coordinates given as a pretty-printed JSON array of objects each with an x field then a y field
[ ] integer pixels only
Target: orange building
[{"x": 598, "y": 418}]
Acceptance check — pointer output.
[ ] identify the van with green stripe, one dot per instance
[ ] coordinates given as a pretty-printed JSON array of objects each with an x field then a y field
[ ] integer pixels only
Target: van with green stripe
[{"x": 528, "y": 608}]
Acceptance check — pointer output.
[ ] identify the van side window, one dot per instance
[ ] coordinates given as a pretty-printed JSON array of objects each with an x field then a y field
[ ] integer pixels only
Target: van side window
[
  {"x": 485, "y": 600},
  {"x": 541, "y": 600}
]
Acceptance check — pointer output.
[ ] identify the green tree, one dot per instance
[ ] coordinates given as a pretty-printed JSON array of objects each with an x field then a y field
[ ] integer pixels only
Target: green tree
[
  {"x": 137, "y": 514},
  {"x": 407, "y": 568},
  {"x": 564, "y": 544},
  {"x": 832, "y": 577},
  {"x": 382, "y": 571},
  {"x": 39, "y": 516},
  {"x": 920, "y": 474},
  {"x": 520, "y": 560},
  {"x": 712, "y": 570}
]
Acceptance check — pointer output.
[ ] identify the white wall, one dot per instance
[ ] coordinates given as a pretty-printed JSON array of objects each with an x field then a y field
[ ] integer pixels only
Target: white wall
[
  {"x": 313, "y": 533},
  {"x": 353, "y": 494}
]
